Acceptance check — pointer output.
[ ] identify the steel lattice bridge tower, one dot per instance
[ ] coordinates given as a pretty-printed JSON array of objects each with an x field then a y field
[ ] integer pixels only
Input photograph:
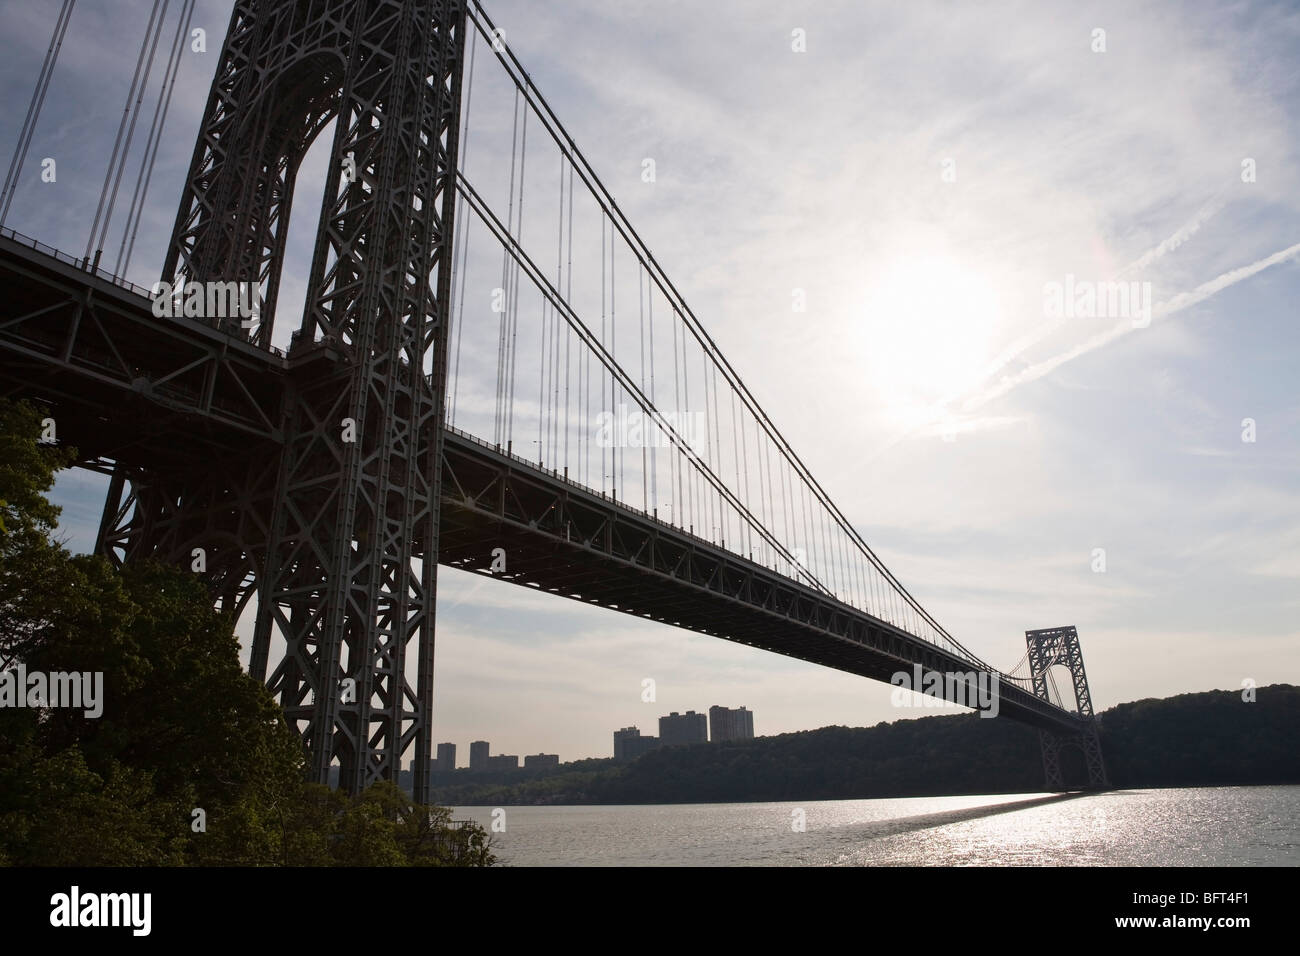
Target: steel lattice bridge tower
[
  {"x": 319, "y": 488},
  {"x": 1060, "y": 645}
]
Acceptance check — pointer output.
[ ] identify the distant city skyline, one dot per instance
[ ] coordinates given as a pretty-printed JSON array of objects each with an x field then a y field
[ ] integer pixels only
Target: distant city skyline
[{"x": 720, "y": 724}]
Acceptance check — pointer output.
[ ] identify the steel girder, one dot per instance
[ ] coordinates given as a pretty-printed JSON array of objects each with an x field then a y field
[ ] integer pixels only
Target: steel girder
[
  {"x": 65, "y": 332},
  {"x": 1060, "y": 645}
]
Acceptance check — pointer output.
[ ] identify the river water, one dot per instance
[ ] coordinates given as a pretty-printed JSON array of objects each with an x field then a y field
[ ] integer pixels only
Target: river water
[{"x": 1208, "y": 826}]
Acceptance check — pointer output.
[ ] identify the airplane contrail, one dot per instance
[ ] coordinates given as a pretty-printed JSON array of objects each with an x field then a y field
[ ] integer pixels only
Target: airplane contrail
[{"x": 1179, "y": 302}]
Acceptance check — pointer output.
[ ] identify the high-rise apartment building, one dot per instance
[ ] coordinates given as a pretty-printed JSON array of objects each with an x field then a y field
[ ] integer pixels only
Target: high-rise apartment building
[
  {"x": 687, "y": 728},
  {"x": 446, "y": 759},
  {"x": 478, "y": 755},
  {"x": 629, "y": 744},
  {"x": 728, "y": 724}
]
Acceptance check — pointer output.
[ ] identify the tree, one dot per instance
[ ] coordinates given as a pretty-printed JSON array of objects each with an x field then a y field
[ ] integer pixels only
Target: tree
[
  {"x": 190, "y": 761},
  {"x": 33, "y": 569}
]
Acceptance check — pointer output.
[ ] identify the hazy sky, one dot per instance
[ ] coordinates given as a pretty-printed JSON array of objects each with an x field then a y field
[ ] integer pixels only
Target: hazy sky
[{"x": 925, "y": 172}]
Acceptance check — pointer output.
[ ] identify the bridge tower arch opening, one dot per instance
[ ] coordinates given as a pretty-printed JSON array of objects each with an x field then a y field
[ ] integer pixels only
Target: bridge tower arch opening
[{"x": 1059, "y": 647}]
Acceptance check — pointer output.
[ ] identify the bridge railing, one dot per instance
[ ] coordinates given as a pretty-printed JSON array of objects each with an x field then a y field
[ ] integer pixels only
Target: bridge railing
[
  {"x": 120, "y": 282},
  {"x": 74, "y": 262}
]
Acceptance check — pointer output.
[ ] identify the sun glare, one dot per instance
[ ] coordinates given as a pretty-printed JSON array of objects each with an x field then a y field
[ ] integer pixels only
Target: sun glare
[{"x": 929, "y": 327}]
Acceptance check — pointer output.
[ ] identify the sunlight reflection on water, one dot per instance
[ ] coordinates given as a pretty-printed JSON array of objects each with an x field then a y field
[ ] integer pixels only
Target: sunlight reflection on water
[{"x": 1215, "y": 826}]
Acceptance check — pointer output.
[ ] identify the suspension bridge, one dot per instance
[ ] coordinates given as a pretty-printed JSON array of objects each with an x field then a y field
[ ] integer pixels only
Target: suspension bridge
[{"x": 489, "y": 370}]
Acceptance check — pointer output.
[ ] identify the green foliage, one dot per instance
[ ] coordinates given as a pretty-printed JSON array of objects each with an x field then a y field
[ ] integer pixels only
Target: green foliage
[
  {"x": 58, "y": 812},
  {"x": 1206, "y": 739},
  {"x": 384, "y": 828},
  {"x": 27, "y": 468},
  {"x": 33, "y": 569},
  {"x": 183, "y": 728}
]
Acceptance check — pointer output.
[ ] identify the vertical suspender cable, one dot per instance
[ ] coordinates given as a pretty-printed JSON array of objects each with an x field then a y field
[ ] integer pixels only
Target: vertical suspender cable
[
  {"x": 514, "y": 297},
  {"x": 34, "y": 108},
  {"x": 707, "y": 499},
  {"x": 464, "y": 243},
  {"x": 502, "y": 327},
  {"x": 136, "y": 210},
  {"x": 550, "y": 336},
  {"x": 652, "y": 431},
  {"x": 603, "y": 339},
  {"x": 568, "y": 331},
  {"x": 555, "y": 338},
  {"x": 685, "y": 408},
  {"x": 717, "y": 454},
  {"x": 807, "y": 522},
  {"x": 679, "y": 503},
  {"x": 587, "y": 421},
  {"x": 785, "y": 512},
  {"x": 104, "y": 212},
  {"x": 743, "y": 473},
  {"x": 616, "y": 469},
  {"x": 735, "y": 446},
  {"x": 543, "y": 355},
  {"x": 640, "y": 306}
]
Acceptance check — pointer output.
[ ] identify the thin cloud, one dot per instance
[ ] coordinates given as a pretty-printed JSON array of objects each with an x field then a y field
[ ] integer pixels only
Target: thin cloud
[
  {"x": 1179, "y": 302},
  {"x": 1189, "y": 229},
  {"x": 1027, "y": 341}
]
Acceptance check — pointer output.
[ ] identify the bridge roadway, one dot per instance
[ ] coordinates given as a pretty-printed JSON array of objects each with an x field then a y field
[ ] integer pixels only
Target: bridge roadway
[{"x": 163, "y": 393}]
